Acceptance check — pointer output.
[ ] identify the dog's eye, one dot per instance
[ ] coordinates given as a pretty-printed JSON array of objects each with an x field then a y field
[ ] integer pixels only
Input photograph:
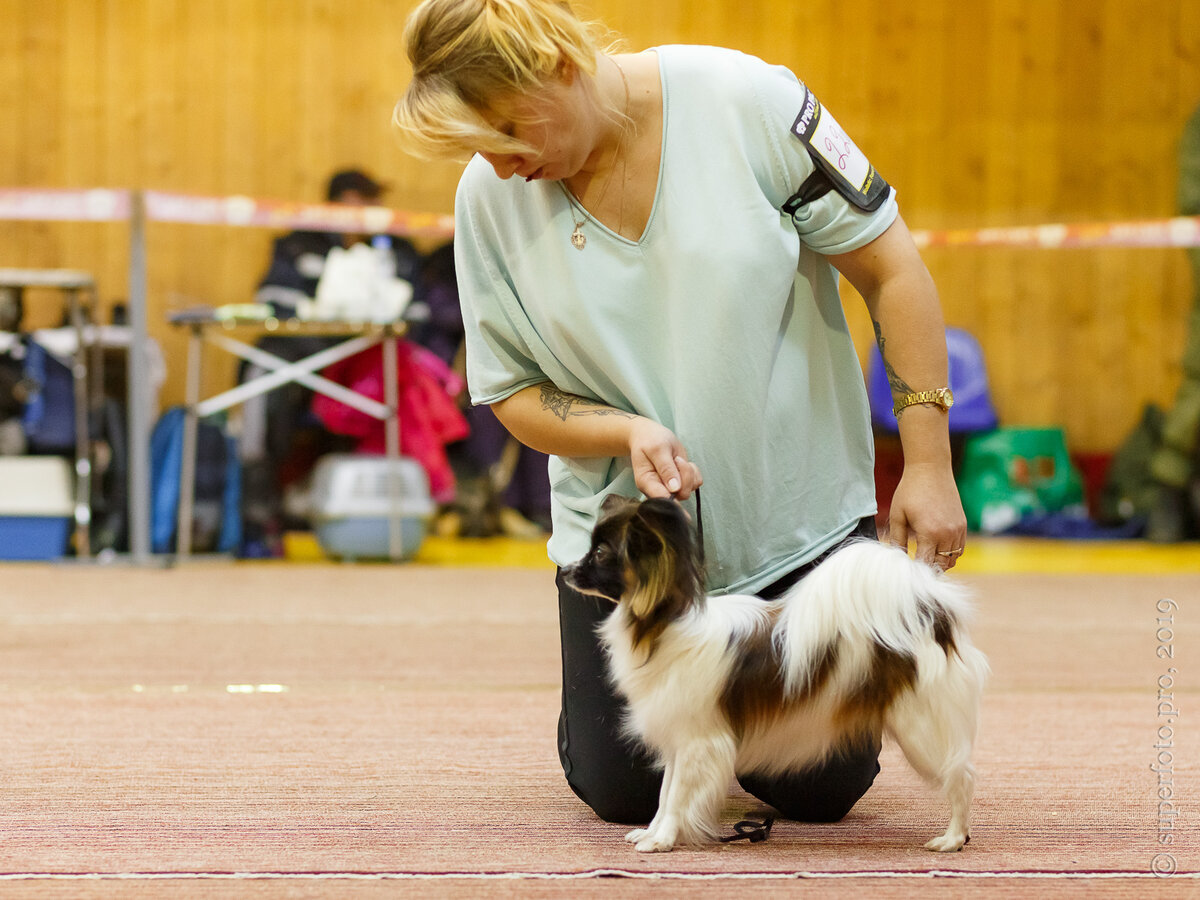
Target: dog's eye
[{"x": 604, "y": 554}]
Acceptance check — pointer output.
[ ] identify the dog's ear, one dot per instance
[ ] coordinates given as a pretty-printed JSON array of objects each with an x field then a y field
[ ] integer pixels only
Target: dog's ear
[
  {"x": 645, "y": 540},
  {"x": 669, "y": 519},
  {"x": 652, "y": 566},
  {"x": 614, "y": 503},
  {"x": 660, "y": 549}
]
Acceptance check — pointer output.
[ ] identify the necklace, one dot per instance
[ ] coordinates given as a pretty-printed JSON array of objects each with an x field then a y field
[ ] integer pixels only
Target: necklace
[{"x": 578, "y": 238}]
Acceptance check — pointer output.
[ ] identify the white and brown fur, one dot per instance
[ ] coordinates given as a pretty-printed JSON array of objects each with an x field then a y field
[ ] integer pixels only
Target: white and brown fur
[{"x": 870, "y": 642}]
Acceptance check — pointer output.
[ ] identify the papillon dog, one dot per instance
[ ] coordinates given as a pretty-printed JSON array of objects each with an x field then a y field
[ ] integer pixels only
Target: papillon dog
[{"x": 869, "y": 642}]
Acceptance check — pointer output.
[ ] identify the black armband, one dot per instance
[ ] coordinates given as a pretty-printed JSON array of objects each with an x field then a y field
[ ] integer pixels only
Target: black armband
[{"x": 841, "y": 165}]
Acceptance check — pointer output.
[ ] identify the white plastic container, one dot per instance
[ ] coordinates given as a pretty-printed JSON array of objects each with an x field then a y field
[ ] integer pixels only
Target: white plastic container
[
  {"x": 352, "y": 505},
  {"x": 36, "y": 507}
]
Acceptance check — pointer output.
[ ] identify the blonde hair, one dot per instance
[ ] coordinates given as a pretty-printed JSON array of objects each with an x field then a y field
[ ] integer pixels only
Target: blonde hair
[{"x": 466, "y": 54}]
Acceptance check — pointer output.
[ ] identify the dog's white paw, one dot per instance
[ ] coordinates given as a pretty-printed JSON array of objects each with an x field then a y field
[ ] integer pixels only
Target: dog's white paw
[
  {"x": 636, "y": 835},
  {"x": 948, "y": 842},
  {"x": 656, "y": 843}
]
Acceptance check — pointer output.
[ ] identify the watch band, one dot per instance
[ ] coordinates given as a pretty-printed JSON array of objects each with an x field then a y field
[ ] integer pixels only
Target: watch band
[{"x": 941, "y": 397}]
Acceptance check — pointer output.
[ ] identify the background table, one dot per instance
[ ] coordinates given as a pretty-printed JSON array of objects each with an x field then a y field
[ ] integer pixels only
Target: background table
[{"x": 206, "y": 329}]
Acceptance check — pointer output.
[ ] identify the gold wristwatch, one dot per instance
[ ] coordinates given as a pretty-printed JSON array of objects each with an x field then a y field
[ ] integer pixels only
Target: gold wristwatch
[{"x": 942, "y": 397}]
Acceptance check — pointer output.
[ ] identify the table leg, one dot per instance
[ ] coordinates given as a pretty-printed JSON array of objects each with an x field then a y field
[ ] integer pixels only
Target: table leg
[
  {"x": 391, "y": 437},
  {"x": 187, "y": 467},
  {"x": 83, "y": 441}
]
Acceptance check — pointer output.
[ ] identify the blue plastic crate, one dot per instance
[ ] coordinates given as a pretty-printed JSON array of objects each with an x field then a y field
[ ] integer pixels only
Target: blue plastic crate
[
  {"x": 34, "y": 537},
  {"x": 352, "y": 539},
  {"x": 36, "y": 507},
  {"x": 354, "y": 497}
]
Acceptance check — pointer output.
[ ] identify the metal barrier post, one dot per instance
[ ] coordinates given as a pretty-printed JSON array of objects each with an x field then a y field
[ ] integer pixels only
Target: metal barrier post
[{"x": 138, "y": 395}]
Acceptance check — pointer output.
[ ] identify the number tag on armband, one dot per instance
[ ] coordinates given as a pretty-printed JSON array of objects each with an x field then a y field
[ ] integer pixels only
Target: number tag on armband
[{"x": 836, "y": 155}]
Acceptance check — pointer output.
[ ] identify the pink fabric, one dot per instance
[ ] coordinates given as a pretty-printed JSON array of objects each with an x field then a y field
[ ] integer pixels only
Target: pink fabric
[{"x": 429, "y": 416}]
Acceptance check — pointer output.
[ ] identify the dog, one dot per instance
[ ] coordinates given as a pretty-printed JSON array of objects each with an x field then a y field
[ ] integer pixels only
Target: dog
[{"x": 870, "y": 642}]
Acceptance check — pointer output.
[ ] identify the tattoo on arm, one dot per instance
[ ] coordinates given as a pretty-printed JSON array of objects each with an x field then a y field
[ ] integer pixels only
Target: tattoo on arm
[
  {"x": 899, "y": 385},
  {"x": 564, "y": 405}
]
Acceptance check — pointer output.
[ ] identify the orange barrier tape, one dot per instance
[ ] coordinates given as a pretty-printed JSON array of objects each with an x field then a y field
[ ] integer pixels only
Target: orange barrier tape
[{"x": 111, "y": 205}]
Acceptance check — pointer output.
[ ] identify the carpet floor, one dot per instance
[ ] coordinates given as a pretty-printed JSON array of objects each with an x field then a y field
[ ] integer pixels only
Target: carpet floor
[{"x": 276, "y": 730}]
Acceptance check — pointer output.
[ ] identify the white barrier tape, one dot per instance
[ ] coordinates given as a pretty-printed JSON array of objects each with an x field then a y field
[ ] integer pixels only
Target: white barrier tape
[
  {"x": 249, "y": 211},
  {"x": 107, "y": 205},
  {"x": 60, "y": 205},
  {"x": 1182, "y": 231}
]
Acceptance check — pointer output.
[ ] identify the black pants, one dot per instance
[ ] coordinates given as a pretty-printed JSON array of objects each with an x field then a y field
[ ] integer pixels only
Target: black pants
[{"x": 616, "y": 778}]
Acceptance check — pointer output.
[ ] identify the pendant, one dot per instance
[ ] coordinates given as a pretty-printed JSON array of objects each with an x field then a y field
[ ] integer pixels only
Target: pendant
[{"x": 578, "y": 238}]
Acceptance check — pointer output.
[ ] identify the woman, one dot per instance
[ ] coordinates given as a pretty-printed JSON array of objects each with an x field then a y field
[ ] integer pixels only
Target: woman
[{"x": 648, "y": 247}]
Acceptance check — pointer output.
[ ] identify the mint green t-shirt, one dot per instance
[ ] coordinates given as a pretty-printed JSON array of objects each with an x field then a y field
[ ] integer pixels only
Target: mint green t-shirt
[{"x": 723, "y": 322}]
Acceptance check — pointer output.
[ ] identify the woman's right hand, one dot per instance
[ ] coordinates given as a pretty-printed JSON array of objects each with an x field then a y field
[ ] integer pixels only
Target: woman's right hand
[
  {"x": 552, "y": 421},
  {"x": 661, "y": 467}
]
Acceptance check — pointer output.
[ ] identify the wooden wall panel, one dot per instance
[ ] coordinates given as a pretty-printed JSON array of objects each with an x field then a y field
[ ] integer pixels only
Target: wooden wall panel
[{"x": 991, "y": 113}]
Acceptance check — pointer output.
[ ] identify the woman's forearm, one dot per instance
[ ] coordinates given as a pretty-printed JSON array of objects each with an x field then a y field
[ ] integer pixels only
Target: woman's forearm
[
  {"x": 550, "y": 420},
  {"x": 911, "y": 337},
  {"x": 903, "y": 302},
  {"x": 545, "y": 418}
]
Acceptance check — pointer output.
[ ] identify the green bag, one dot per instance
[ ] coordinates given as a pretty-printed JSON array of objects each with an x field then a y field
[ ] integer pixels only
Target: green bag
[{"x": 1011, "y": 473}]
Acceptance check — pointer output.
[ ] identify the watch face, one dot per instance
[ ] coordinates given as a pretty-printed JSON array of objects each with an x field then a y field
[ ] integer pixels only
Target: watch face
[{"x": 948, "y": 397}]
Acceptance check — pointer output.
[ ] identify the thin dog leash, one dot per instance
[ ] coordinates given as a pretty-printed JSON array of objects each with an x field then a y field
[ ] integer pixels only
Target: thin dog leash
[
  {"x": 753, "y": 830},
  {"x": 699, "y": 528}
]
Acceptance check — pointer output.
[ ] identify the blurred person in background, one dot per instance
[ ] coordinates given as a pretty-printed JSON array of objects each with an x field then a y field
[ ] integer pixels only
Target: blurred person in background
[
  {"x": 281, "y": 439},
  {"x": 298, "y": 258},
  {"x": 1173, "y": 465}
]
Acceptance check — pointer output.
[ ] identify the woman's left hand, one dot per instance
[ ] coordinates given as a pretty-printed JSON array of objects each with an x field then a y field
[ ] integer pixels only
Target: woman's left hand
[{"x": 926, "y": 511}]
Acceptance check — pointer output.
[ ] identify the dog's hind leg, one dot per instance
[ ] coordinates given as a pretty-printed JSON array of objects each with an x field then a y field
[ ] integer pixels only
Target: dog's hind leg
[
  {"x": 959, "y": 787},
  {"x": 696, "y": 781},
  {"x": 937, "y": 741}
]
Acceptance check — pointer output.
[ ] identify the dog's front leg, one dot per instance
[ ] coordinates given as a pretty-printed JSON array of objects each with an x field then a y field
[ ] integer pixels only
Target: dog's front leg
[
  {"x": 695, "y": 782},
  {"x": 663, "y": 794}
]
